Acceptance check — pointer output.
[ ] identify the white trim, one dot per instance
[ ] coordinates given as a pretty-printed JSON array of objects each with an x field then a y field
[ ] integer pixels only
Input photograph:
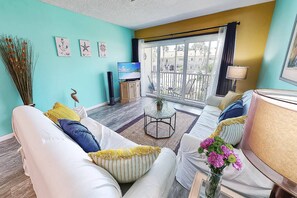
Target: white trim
[
  {"x": 6, "y": 137},
  {"x": 99, "y": 105}
]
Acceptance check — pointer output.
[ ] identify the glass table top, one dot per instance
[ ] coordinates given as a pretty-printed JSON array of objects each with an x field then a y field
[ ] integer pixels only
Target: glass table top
[{"x": 167, "y": 111}]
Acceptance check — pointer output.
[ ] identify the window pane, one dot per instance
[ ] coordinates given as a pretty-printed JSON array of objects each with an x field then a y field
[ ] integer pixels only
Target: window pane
[{"x": 167, "y": 55}]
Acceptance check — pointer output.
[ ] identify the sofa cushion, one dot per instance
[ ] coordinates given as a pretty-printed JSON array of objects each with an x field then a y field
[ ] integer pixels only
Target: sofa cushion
[
  {"x": 229, "y": 98},
  {"x": 233, "y": 110},
  {"x": 127, "y": 165},
  {"x": 80, "y": 134},
  {"x": 205, "y": 125},
  {"x": 61, "y": 111},
  {"x": 230, "y": 130},
  {"x": 212, "y": 110}
]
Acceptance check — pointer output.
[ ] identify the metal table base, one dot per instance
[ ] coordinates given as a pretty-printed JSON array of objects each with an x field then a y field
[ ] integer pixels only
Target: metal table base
[{"x": 157, "y": 121}]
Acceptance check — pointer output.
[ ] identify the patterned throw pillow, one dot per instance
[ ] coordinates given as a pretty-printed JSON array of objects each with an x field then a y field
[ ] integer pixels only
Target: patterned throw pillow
[
  {"x": 228, "y": 99},
  {"x": 230, "y": 130},
  {"x": 61, "y": 111},
  {"x": 129, "y": 164},
  {"x": 232, "y": 111},
  {"x": 80, "y": 134}
]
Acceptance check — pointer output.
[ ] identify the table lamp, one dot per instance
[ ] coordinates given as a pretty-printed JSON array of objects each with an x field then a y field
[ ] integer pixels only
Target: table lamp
[
  {"x": 270, "y": 138},
  {"x": 235, "y": 73}
]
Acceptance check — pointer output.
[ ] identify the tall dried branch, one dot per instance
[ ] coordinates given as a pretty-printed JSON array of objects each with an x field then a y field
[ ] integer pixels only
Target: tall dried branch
[{"x": 17, "y": 56}]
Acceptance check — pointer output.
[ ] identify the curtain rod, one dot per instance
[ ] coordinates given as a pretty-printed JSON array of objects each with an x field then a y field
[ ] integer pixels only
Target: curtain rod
[
  {"x": 173, "y": 34},
  {"x": 178, "y": 37}
]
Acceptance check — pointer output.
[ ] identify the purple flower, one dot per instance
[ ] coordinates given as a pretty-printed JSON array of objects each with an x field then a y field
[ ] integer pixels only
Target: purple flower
[
  {"x": 206, "y": 143},
  {"x": 238, "y": 164},
  {"x": 215, "y": 159},
  {"x": 226, "y": 151}
]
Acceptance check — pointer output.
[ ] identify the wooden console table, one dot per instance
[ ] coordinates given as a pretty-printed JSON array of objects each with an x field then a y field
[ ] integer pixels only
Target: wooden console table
[{"x": 130, "y": 91}]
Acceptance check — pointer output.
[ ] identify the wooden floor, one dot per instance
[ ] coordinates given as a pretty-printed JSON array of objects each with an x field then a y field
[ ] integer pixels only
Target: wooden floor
[
  {"x": 120, "y": 114},
  {"x": 14, "y": 183}
]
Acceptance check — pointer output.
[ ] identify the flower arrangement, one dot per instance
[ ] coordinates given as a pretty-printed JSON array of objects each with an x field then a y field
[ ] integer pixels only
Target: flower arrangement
[
  {"x": 17, "y": 56},
  {"x": 219, "y": 155}
]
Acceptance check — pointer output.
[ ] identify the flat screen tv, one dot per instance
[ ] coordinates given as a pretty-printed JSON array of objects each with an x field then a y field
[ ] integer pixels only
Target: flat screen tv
[{"x": 129, "y": 70}]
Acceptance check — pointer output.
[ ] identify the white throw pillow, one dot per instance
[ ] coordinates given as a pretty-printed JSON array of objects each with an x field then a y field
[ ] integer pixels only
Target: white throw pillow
[
  {"x": 81, "y": 111},
  {"x": 94, "y": 127}
]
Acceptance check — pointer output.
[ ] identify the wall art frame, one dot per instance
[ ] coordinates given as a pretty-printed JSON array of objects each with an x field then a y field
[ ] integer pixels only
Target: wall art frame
[
  {"x": 102, "y": 49},
  {"x": 85, "y": 48},
  {"x": 289, "y": 70},
  {"x": 63, "y": 46}
]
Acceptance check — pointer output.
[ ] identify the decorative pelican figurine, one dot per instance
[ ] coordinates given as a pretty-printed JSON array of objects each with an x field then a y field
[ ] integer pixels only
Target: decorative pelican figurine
[{"x": 74, "y": 97}]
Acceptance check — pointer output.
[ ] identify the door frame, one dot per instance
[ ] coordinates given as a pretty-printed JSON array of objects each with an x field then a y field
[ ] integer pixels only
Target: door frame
[{"x": 186, "y": 41}]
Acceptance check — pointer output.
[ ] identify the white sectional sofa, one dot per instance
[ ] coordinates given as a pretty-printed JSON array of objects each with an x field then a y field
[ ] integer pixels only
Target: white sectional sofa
[
  {"x": 248, "y": 181},
  {"x": 59, "y": 168}
]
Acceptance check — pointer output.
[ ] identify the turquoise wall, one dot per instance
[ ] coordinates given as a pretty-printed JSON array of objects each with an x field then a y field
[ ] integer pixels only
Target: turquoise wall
[
  {"x": 277, "y": 44},
  {"x": 54, "y": 76}
]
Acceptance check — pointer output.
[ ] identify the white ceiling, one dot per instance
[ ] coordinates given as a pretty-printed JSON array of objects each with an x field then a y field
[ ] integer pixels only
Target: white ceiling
[{"x": 138, "y": 14}]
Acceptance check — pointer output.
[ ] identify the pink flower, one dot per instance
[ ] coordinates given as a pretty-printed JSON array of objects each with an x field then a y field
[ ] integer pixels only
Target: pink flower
[
  {"x": 238, "y": 164},
  {"x": 216, "y": 160},
  {"x": 206, "y": 143},
  {"x": 226, "y": 151}
]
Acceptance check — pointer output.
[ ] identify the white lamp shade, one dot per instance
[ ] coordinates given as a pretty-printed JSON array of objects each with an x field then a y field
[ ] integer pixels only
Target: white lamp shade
[{"x": 237, "y": 72}]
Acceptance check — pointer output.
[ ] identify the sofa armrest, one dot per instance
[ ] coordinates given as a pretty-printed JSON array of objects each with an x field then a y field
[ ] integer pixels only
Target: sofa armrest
[
  {"x": 214, "y": 101},
  {"x": 157, "y": 181}
]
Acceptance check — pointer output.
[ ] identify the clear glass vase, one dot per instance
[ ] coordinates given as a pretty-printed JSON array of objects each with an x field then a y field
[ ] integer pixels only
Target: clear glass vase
[{"x": 213, "y": 185}]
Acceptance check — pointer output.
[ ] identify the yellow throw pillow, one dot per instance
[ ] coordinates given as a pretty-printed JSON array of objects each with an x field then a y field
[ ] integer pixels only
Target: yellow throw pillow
[
  {"x": 229, "y": 98},
  {"x": 126, "y": 165},
  {"x": 230, "y": 130},
  {"x": 61, "y": 111}
]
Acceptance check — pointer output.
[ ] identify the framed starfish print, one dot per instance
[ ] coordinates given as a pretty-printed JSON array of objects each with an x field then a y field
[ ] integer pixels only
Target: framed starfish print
[
  {"x": 63, "y": 46},
  {"x": 85, "y": 48}
]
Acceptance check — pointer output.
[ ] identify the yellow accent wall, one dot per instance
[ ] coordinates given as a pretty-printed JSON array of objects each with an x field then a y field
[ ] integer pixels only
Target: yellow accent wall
[{"x": 250, "y": 39}]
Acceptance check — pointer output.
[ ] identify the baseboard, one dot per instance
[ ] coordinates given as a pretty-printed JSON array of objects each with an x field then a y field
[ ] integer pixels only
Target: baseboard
[
  {"x": 96, "y": 106},
  {"x": 100, "y": 105},
  {"x": 6, "y": 137}
]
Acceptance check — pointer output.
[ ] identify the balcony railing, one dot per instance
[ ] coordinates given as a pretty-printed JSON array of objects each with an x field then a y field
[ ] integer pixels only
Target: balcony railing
[{"x": 195, "y": 89}]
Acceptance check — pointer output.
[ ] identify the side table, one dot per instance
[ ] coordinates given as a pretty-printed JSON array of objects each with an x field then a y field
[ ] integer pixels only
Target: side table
[{"x": 166, "y": 116}]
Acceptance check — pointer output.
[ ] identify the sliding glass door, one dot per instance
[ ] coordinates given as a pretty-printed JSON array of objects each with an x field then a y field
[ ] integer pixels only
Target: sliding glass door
[{"x": 180, "y": 69}]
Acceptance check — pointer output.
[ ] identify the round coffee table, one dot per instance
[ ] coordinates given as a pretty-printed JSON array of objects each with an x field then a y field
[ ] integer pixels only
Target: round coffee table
[{"x": 158, "y": 120}]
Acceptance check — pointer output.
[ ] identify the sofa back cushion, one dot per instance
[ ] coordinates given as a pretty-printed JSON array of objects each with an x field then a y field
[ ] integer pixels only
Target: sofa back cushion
[
  {"x": 233, "y": 110},
  {"x": 246, "y": 99}
]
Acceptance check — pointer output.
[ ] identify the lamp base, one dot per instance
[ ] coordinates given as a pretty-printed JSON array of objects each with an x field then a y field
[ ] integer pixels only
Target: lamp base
[
  {"x": 279, "y": 192},
  {"x": 233, "y": 88}
]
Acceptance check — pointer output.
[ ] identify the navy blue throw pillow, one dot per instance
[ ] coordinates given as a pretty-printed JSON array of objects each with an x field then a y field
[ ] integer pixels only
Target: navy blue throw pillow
[
  {"x": 80, "y": 134},
  {"x": 233, "y": 110}
]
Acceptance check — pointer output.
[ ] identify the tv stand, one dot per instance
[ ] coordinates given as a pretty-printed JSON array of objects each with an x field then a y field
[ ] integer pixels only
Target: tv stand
[{"x": 130, "y": 91}]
